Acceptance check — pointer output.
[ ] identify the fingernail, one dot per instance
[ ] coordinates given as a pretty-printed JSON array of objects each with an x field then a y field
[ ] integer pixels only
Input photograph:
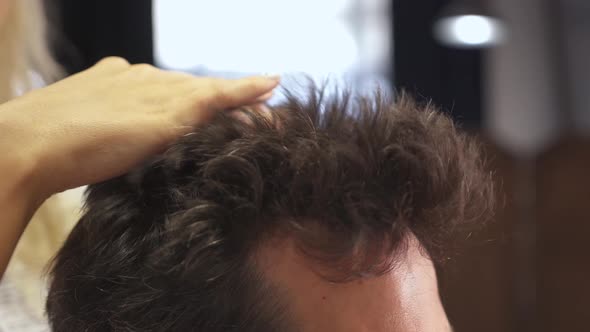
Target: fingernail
[{"x": 271, "y": 76}]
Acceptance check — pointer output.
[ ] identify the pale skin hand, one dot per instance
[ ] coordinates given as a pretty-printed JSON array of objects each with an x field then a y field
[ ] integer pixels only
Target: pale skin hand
[{"x": 96, "y": 125}]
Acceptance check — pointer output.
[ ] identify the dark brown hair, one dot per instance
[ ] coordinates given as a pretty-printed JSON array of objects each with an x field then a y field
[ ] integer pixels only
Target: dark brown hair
[{"x": 167, "y": 246}]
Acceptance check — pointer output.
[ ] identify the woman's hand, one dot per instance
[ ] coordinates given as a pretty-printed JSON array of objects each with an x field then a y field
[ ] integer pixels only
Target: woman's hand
[
  {"x": 99, "y": 123},
  {"x": 96, "y": 125}
]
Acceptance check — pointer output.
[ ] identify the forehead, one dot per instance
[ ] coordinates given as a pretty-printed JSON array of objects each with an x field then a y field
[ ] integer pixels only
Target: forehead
[{"x": 403, "y": 299}]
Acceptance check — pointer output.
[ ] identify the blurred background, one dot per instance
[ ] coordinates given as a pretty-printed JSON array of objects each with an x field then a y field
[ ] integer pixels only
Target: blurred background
[{"x": 514, "y": 72}]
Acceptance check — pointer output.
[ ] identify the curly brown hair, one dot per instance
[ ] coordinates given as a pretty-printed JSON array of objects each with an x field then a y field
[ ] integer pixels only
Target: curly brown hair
[{"x": 167, "y": 247}]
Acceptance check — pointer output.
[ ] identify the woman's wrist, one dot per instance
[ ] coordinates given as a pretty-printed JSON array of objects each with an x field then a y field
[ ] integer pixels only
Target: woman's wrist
[
  {"x": 20, "y": 164},
  {"x": 19, "y": 196},
  {"x": 21, "y": 181}
]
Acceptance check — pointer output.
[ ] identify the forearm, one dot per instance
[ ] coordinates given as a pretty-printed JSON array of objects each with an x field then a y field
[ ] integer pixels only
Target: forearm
[
  {"x": 16, "y": 211},
  {"x": 19, "y": 195}
]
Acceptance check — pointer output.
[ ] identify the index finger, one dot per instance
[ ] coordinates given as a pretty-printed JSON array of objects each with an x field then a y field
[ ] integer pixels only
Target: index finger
[{"x": 225, "y": 94}]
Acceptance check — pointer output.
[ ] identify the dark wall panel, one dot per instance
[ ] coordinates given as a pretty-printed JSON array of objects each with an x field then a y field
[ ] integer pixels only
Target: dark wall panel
[
  {"x": 92, "y": 29},
  {"x": 450, "y": 77}
]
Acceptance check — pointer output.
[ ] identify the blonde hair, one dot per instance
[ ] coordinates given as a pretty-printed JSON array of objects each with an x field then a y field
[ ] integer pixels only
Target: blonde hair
[
  {"x": 25, "y": 55},
  {"x": 25, "y": 48}
]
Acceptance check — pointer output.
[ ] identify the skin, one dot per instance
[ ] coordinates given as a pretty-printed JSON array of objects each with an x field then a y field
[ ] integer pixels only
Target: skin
[
  {"x": 406, "y": 299},
  {"x": 98, "y": 124}
]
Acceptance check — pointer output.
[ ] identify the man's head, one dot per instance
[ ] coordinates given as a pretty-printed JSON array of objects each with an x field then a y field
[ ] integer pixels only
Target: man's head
[{"x": 323, "y": 215}]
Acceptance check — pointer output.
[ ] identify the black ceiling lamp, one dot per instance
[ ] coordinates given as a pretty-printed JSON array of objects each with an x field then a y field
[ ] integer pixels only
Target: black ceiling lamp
[{"x": 469, "y": 24}]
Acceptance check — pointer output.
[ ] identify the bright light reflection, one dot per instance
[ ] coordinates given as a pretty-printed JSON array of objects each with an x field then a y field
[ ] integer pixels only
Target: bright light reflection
[{"x": 469, "y": 31}]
